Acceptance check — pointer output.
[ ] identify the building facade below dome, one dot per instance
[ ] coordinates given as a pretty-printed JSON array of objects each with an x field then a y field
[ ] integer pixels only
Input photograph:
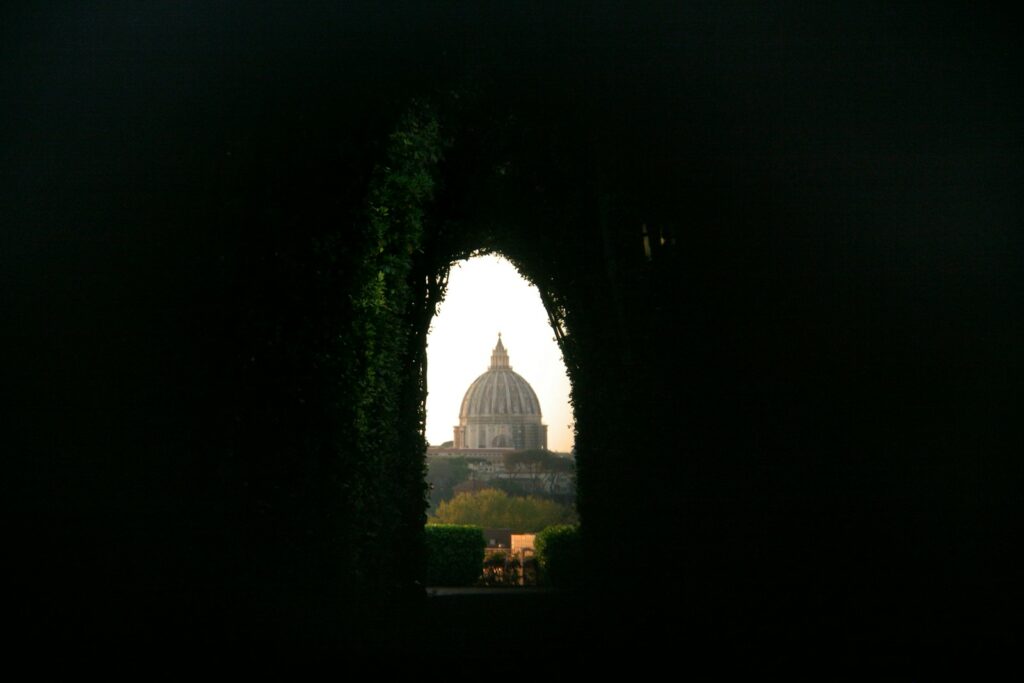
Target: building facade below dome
[{"x": 500, "y": 410}]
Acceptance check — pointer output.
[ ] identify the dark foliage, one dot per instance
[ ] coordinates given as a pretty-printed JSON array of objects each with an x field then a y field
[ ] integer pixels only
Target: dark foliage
[
  {"x": 507, "y": 570},
  {"x": 560, "y": 556},
  {"x": 455, "y": 554},
  {"x": 443, "y": 475}
]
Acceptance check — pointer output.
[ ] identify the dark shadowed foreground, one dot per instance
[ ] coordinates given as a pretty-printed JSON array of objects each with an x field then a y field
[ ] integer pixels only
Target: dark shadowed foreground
[{"x": 780, "y": 252}]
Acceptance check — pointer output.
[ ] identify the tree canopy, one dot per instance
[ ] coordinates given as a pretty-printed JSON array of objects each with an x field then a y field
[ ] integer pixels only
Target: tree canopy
[
  {"x": 443, "y": 475},
  {"x": 496, "y": 509},
  {"x": 536, "y": 460}
]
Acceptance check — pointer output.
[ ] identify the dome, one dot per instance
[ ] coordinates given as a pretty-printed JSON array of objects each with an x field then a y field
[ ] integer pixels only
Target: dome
[
  {"x": 500, "y": 410},
  {"x": 499, "y": 391}
]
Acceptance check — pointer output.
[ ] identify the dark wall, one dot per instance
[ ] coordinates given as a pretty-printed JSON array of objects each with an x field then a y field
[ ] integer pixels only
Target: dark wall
[{"x": 812, "y": 381}]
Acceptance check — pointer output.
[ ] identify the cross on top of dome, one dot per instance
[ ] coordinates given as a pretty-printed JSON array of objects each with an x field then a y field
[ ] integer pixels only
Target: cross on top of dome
[{"x": 499, "y": 357}]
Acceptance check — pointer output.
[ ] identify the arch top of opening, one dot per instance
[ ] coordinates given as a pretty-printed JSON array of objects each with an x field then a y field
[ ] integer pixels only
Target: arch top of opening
[{"x": 485, "y": 296}]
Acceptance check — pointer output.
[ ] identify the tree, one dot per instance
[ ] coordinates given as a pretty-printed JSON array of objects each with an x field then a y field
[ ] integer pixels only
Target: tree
[
  {"x": 496, "y": 509},
  {"x": 443, "y": 475},
  {"x": 546, "y": 472}
]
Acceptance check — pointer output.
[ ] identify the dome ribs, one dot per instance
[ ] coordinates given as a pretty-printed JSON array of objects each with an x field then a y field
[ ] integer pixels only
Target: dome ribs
[{"x": 499, "y": 403}]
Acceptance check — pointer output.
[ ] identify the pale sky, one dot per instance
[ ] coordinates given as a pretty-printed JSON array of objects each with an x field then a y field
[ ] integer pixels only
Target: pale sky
[{"x": 486, "y": 296}]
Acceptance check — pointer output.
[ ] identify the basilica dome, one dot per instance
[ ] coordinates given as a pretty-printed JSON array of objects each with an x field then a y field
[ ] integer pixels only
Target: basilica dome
[
  {"x": 500, "y": 410},
  {"x": 499, "y": 391}
]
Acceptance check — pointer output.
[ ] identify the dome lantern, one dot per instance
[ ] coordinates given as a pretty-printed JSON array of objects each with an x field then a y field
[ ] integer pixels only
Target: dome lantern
[{"x": 499, "y": 357}]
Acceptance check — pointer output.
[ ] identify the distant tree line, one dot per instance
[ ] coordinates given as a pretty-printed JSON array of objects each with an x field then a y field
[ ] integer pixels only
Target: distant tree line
[{"x": 539, "y": 473}]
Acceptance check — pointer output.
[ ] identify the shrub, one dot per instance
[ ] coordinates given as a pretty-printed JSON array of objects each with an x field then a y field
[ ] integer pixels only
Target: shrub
[
  {"x": 497, "y": 559},
  {"x": 530, "y": 571},
  {"x": 500, "y": 569},
  {"x": 559, "y": 554},
  {"x": 455, "y": 554}
]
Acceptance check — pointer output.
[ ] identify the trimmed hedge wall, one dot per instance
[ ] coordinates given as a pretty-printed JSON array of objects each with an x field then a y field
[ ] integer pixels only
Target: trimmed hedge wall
[
  {"x": 559, "y": 554},
  {"x": 455, "y": 554}
]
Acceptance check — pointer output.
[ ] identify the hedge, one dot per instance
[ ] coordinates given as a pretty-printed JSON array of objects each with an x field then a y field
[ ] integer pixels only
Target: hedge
[
  {"x": 455, "y": 554},
  {"x": 559, "y": 554}
]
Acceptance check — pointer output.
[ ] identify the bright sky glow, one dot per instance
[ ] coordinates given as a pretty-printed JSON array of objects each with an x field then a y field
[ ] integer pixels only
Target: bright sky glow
[{"x": 486, "y": 296}]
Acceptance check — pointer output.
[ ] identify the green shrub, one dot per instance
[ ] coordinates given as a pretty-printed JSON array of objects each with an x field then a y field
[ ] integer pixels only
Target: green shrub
[
  {"x": 455, "y": 554},
  {"x": 559, "y": 554}
]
